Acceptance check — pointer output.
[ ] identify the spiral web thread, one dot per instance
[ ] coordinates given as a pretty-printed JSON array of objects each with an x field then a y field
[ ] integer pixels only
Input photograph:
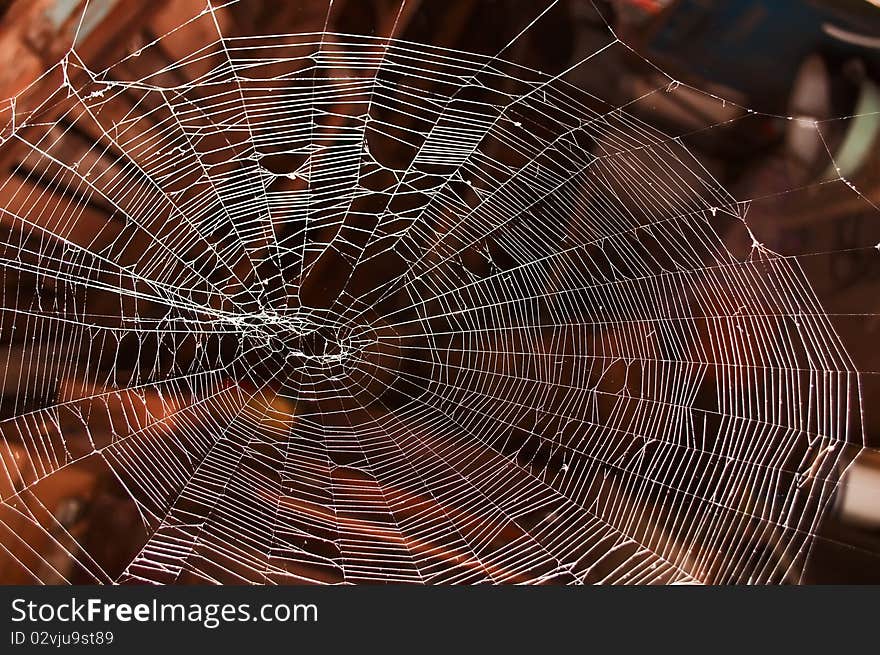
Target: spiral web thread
[{"x": 538, "y": 362}]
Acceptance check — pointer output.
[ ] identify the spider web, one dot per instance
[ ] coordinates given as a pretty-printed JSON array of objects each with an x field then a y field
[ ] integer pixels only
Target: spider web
[{"x": 336, "y": 308}]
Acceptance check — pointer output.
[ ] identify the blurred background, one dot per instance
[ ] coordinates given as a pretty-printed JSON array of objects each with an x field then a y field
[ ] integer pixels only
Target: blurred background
[{"x": 779, "y": 66}]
